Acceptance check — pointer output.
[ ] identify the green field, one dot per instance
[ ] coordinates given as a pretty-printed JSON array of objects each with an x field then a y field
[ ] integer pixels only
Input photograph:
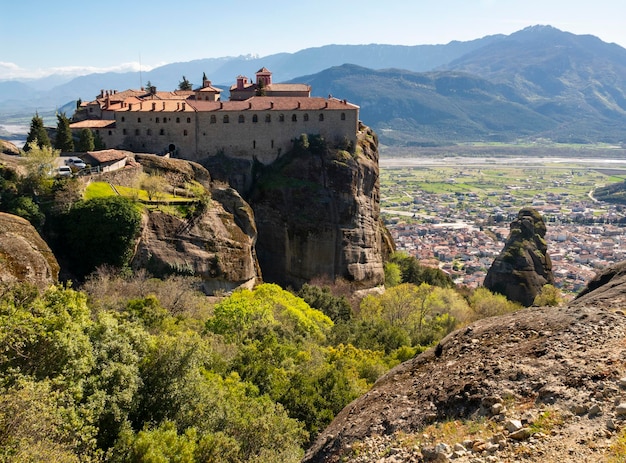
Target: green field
[{"x": 486, "y": 184}]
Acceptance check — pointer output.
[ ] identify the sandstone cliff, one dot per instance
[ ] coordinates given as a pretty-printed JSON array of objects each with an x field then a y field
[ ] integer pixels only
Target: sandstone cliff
[
  {"x": 524, "y": 266},
  {"x": 216, "y": 243},
  {"x": 317, "y": 213},
  {"x": 541, "y": 385},
  {"x": 24, "y": 255}
]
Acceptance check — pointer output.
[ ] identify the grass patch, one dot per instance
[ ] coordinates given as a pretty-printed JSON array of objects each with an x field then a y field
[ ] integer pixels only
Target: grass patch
[
  {"x": 546, "y": 422},
  {"x": 98, "y": 190},
  {"x": 617, "y": 451}
]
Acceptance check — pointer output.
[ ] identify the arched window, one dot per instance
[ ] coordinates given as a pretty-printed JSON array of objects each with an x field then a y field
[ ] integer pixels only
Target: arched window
[
  {"x": 253, "y": 144},
  {"x": 268, "y": 118},
  {"x": 321, "y": 117},
  {"x": 185, "y": 132},
  {"x": 178, "y": 120},
  {"x": 213, "y": 119},
  {"x": 242, "y": 119},
  {"x": 306, "y": 117},
  {"x": 123, "y": 118},
  {"x": 161, "y": 132},
  {"x": 188, "y": 120},
  {"x": 294, "y": 118},
  {"x": 136, "y": 131},
  {"x": 343, "y": 116},
  {"x": 281, "y": 118},
  {"x": 139, "y": 119},
  {"x": 255, "y": 118},
  {"x": 226, "y": 121},
  {"x": 157, "y": 120},
  {"x": 149, "y": 131}
]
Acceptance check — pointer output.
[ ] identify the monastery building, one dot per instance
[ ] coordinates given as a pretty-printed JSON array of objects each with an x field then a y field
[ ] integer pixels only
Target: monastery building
[{"x": 260, "y": 120}]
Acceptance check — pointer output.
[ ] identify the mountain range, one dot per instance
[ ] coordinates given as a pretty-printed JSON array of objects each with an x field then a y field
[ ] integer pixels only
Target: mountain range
[{"x": 537, "y": 83}]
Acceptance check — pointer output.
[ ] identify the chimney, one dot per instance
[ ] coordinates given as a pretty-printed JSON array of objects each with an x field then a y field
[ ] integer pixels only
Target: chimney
[
  {"x": 221, "y": 105},
  {"x": 183, "y": 105},
  {"x": 326, "y": 104},
  {"x": 298, "y": 105},
  {"x": 271, "y": 105},
  {"x": 130, "y": 106},
  {"x": 249, "y": 104},
  {"x": 153, "y": 106},
  {"x": 164, "y": 106},
  {"x": 101, "y": 93},
  {"x": 178, "y": 106},
  {"x": 241, "y": 81}
]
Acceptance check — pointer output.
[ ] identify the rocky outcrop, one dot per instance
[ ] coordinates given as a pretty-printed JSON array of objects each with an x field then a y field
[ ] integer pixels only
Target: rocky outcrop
[
  {"x": 539, "y": 385},
  {"x": 24, "y": 255},
  {"x": 216, "y": 242},
  {"x": 317, "y": 213},
  {"x": 524, "y": 266},
  {"x": 607, "y": 288}
]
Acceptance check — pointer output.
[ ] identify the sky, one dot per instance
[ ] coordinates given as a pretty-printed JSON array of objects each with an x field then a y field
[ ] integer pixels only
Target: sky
[{"x": 74, "y": 37}]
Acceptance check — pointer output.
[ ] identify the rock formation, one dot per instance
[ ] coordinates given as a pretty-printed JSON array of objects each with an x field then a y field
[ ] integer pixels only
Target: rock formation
[
  {"x": 539, "y": 385},
  {"x": 216, "y": 243},
  {"x": 317, "y": 214},
  {"x": 24, "y": 255},
  {"x": 524, "y": 266}
]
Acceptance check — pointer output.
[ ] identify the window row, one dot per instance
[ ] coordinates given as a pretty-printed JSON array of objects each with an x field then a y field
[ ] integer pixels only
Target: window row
[
  {"x": 268, "y": 118},
  {"x": 157, "y": 120},
  {"x": 149, "y": 132}
]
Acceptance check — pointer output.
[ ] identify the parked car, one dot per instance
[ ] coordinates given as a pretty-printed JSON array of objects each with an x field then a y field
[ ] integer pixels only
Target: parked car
[
  {"x": 75, "y": 163},
  {"x": 64, "y": 171}
]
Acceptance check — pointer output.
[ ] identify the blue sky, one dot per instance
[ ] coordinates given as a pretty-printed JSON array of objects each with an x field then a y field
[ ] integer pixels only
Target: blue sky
[{"x": 38, "y": 38}]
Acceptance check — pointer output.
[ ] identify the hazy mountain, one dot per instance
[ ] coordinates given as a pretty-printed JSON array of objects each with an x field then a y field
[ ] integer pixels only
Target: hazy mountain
[
  {"x": 538, "y": 82},
  {"x": 224, "y": 71}
]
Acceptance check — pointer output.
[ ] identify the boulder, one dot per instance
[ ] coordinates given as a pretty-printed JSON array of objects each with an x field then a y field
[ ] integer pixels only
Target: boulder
[{"x": 24, "y": 255}]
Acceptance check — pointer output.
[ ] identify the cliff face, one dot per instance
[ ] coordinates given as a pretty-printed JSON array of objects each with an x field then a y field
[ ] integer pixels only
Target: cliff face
[
  {"x": 317, "y": 213},
  {"x": 524, "y": 266},
  {"x": 24, "y": 255},
  {"x": 540, "y": 385},
  {"x": 216, "y": 243}
]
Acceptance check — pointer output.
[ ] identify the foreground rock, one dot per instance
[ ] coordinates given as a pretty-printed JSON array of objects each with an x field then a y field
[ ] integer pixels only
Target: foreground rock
[
  {"x": 539, "y": 385},
  {"x": 24, "y": 255},
  {"x": 524, "y": 266}
]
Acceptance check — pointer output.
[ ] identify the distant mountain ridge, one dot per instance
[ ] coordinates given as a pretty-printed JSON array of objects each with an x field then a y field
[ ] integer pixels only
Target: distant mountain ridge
[{"x": 539, "y": 82}]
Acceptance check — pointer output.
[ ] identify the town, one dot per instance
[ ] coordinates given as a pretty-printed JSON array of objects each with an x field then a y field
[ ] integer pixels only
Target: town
[{"x": 458, "y": 219}]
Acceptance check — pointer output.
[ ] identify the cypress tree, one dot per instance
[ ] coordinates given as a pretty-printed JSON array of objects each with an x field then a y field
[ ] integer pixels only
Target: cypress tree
[
  {"x": 37, "y": 133},
  {"x": 86, "y": 141},
  {"x": 64, "y": 140}
]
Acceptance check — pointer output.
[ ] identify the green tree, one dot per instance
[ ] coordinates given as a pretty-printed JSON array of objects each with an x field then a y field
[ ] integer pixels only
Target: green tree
[
  {"x": 102, "y": 231},
  {"x": 247, "y": 314},
  {"x": 98, "y": 142},
  {"x": 549, "y": 296},
  {"x": 413, "y": 272},
  {"x": 393, "y": 274},
  {"x": 86, "y": 141},
  {"x": 155, "y": 185},
  {"x": 37, "y": 134},
  {"x": 335, "y": 307},
  {"x": 64, "y": 141},
  {"x": 40, "y": 162},
  {"x": 184, "y": 84},
  {"x": 484, "y": 303}
]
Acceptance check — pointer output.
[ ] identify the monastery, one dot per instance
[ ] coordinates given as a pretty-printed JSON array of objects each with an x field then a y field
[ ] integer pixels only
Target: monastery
[{"x": 260, "y": 120}]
